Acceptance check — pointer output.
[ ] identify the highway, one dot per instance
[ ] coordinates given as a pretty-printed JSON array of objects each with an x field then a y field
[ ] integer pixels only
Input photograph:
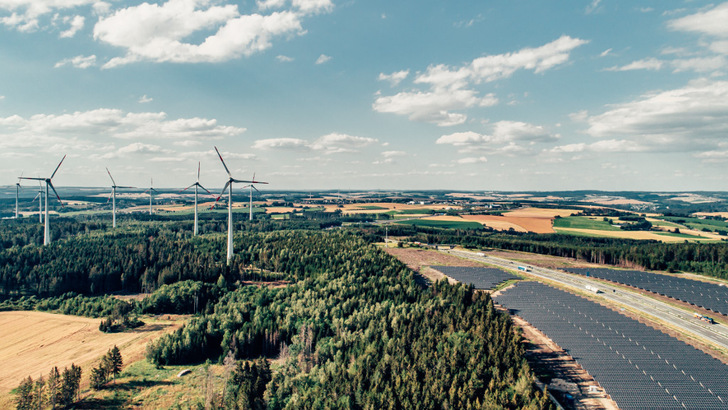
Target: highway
[{"x": 680, "y": 319}]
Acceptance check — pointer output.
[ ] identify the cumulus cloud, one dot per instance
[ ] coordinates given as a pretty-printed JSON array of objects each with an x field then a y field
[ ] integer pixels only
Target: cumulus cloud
[
  {"x": 507, "y": 137},
  {"x": 159, "y": 32},
  {"x": 25, "y": 14},
  {"x": 394, "y": 78},
  {"x": 472, "y": 160},
  {"x": 78, "y": 62},
  {"x": 76, "y": 23},
  {"x": 645, "y": 64},
  {"x": 284, "y": 59},
  {"x": 112, "y": 123},
  {"x": 451, "y": 88},
  {"x": 323, "y": 58},
  {"x": 693, "y": 118},
  {"x": 711, "y": 22},
  {"x": 333, "y": 143}
]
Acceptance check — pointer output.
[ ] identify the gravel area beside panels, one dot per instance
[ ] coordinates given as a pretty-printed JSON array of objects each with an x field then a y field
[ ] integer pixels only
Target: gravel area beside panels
[
  {"x": 481, "y": 278},
  {"x": 638, "y": 366},
  {"x": 706, "y": 295}
]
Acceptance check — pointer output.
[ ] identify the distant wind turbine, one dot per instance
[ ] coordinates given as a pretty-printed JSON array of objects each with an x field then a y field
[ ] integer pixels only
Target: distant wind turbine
[
  {"x": 252, "y": 187},
  {"x": 151, "y": 191},
  {"x": 113, "y": 196},
  {"x": 48, "y": 183},
  {"x": 197, "y": 185},
  {"x": 229, "y": 186},
  {"x": 17, "y": 194}
]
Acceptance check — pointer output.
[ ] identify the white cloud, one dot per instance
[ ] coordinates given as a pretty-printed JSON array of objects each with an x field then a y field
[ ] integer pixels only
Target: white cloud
[
  {"x": 692, "y": 118},
  {"x": 592, "y": 7},
  {"x": 391, "y": 154},
  {"x": 78, "y": 62},
  {"x": 144, "y": 99},
  {"x": 76, "y": 25},
  {"x": 333, "y": 143},
  {"x": 711, "y": 22},
  {"x": 284, "y": 59},
  {"x": 605, "y": 52},
  {"x": 451, "y": 87},
  {"x": 270, "y": 4},
  {"x": 699, "y": 64},
  {"x": 25, "y": 14},
  {"x": 323, "y": 58},
  {"x": 394, "y": 78},
  {"x": 472, "y": 160},
  {"x": 646, "y": 64},
  {"x": 115, "y": 123},
  {"x": 159, "y": 32},
  {"x": 507, "y": 137}
]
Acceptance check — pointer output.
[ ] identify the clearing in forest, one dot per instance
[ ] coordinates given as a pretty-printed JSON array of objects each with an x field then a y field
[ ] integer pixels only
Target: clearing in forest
[{"x": 31, "y": 343}]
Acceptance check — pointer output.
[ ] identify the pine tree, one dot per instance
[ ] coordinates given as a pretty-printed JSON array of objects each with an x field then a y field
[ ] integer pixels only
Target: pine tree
[
  {"x": 115, "y": 361},
  {"x": 24, "y": 399},
  {"x": 53, "y": 387},
  {"x": 98, "y": 377}
]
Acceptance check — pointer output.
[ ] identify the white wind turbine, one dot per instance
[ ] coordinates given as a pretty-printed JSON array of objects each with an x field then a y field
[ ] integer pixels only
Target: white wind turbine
[
  {"x": 113, "y": 196},
  {"x": 46, "y": 230},
  {"x": 229, "y": 187},
  {"x": 252, "y": 187},
  {"x": 197, "y": 185},
  {"x": 17, "y": 194},
  {"x": 39, "y": 196},
  {"x": 151, "y": 191}
]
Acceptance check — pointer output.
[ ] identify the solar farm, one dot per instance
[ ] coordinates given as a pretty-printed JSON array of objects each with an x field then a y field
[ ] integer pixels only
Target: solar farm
[
  {"x": 638, "y": 366},
  {"x": 480, "y": 278},
  {"x": 706, "y": 295}
]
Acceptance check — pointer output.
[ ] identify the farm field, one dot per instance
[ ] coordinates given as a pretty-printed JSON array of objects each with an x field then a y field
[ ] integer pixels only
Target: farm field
[
  {"x": 642, "y": 235},
  {"x": 31, "y": 343},
  {"x": 450, "y": 222},
  {"x": 382, "y": 207}
]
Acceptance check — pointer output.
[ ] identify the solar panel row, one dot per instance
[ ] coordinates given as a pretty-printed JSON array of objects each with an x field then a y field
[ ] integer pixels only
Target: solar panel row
[
  {"x": 638, "y": 366},
  {"x": 481, "y": 278},
  {"x": 706, "y": 295}
]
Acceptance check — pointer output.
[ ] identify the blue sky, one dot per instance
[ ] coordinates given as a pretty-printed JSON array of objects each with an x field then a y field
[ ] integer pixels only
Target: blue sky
[{"x": 354, "y": 94}]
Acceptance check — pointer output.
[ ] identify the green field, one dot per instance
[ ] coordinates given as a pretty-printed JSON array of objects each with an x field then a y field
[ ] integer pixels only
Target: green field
[
  {"x": 443, "y": 224},
  {"x": 698, "y": 224},
  {"x": 583, "y": 222}
]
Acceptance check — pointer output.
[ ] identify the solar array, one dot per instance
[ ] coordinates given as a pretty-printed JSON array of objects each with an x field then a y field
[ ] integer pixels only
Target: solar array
[
  {"x": 638, "y": 366},
  {"x": 703, "y": 294},
  {"x": 481, "y": 278}
]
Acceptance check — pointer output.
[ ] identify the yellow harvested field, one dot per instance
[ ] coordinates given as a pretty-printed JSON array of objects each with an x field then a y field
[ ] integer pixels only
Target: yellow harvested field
[
  {"x": 521, "y": 224},
  {"x": 630, "y": 234},
  {"x": 540, "y": 213},
  {"x": 31, "y": 343},
  {"x": 281, "y": 209},
  {"x": 385, "y": 207}
]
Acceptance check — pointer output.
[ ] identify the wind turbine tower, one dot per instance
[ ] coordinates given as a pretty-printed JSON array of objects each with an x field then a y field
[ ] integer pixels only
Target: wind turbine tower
[
  {"x": 252, "y": 187},
  {"x": 48, "y": 183},
  {"x": 197, "y": 185},
  {"x": 17, "y": 193},
  {"x": 113, "y": 196},
  {"x": 151, "y": 191},
  {"x": 229, "y": 187}
]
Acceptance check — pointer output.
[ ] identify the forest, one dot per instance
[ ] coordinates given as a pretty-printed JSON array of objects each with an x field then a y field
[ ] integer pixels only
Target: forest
[{"x": 349, "y": 324}]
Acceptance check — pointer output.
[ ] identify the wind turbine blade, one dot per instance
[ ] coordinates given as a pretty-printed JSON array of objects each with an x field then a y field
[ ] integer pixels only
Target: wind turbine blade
[
  {"x": 59, "y": 165},
  {"x": 34, "y": 179},
  {"x": 36, "y": 196},
  {"x": 128, "y": 187},
  {"x": 259, "y": 182},
  {"x": 200, "y": 185},
  {"x": 112, "y": 178},
  {"x": 221, "y": 194},
  {"x": 55, "y": 192},
  {"x": 198, "y": 171},
  {"x": 109, "y": 198},
  {"x": 187, "y": 188},
  {"x": 240, "y": 181},
  {"x": 223, "y": 163},
  {"x": 253, "y": 186}
]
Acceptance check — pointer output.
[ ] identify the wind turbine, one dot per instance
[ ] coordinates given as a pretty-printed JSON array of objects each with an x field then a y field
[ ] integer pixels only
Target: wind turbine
[
  {"x": 197, "y": 185},
  {"x": 229, "y": 186},
  {"x": 48, "y": 183},
  {"x": 252, "y": 187},
  {"x": 17, "y": 193},
  {"x": 151, "y": 191},
  {"x": 39, "y": 196},
  {"x": 113, "y": 196}
]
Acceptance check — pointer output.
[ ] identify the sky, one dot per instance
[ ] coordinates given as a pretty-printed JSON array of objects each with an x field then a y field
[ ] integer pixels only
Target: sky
[{"x": 367, "y": 94}]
